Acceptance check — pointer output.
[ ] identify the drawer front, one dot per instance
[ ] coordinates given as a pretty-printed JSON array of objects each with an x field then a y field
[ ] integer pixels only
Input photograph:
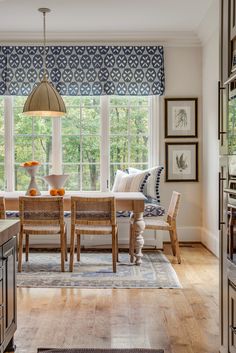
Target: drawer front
[{"x": 232, "y": 318}]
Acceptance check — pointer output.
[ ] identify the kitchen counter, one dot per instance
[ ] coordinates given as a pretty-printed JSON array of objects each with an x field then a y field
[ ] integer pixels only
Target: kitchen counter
[{"x": 8, "y": 229}]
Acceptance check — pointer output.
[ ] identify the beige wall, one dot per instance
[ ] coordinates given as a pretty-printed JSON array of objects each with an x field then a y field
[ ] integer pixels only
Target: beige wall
[
  {"x": 183, "y": 68},
  {"x": 210, "y": 234}
]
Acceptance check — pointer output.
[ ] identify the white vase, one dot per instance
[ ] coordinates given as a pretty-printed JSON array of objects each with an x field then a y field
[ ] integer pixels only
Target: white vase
[
  {"x": 56, "y": 181},
  {"x": 32, "y": 185}
]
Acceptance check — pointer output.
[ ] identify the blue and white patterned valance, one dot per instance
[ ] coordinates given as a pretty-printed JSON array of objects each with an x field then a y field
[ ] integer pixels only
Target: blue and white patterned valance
[{"x": 84, "y": 70}]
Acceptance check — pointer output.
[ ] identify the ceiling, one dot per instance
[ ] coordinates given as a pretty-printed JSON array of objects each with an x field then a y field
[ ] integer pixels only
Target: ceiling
[{"x": 21, "y": 18}]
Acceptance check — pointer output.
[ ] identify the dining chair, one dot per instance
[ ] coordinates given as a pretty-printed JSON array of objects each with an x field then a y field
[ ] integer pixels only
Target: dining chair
[
  {"x": 93, "y": 216},
  {"x": 2, "y": 208},
  {"x": 41, "y": 216},
  {"x": 154, "y": 224}
]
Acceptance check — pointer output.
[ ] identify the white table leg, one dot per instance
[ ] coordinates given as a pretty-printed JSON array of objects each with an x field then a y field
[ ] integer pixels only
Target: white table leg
[{"x": 139, "y": 226}]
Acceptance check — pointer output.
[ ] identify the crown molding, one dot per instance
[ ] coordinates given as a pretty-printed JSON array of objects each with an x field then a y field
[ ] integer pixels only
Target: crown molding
[
  {"x": 210, "y": 23},
  {"x": 166, "y": 38}
]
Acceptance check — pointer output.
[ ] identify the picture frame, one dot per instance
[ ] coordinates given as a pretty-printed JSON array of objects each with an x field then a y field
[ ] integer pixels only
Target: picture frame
[
  {"x": 181, "y": 117},
  {"x": 181, "y": 161}
]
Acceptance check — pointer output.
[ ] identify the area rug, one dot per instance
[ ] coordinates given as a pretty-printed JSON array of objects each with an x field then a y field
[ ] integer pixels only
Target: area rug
[
  {"x": 95, "y": 271},
  {"x": 100, "y": 350}
]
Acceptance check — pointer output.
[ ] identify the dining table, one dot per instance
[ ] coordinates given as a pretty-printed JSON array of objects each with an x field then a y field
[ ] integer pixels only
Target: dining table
[{"x": 125, "y": 201}]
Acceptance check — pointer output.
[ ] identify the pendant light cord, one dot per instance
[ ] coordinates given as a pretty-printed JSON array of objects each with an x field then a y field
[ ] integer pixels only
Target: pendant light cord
[{"x": 44, "y": 44}]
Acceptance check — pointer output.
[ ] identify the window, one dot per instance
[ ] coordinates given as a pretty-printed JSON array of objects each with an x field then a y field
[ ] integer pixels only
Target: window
[
  {"x": 81, "y": 138},
  {"x": 129, "y": 133},
  {"x": 98, "y": 136},
  {"x": 32, "y": 141}
]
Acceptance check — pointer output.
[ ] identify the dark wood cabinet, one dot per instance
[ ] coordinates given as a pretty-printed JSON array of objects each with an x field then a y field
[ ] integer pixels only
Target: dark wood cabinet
[
  {"x": 227, "y": 174},
  {"x": 232, "y": 317},
  {"x": 8, "y": 232},
  {"x": 9, "y": 291}
]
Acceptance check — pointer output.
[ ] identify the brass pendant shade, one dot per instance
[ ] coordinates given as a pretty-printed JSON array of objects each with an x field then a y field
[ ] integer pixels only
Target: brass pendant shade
[{"x": 44, "y": 100}]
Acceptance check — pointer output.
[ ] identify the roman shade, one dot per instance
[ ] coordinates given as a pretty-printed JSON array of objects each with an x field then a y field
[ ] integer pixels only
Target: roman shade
[{"x": 84, "y": 70}]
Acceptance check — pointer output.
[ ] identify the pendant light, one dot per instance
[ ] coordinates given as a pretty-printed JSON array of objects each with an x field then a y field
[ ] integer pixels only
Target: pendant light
[{"x": 44, "y": 100}]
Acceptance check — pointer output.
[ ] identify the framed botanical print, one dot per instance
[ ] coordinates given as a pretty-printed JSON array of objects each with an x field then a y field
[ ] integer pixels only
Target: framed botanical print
[
  {"x": 181, "y": 118},
  {"x": 181, "y": 161}
]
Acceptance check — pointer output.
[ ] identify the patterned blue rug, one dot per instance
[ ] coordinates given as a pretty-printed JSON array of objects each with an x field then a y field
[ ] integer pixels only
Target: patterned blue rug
[{"x": 95, "y": 271}]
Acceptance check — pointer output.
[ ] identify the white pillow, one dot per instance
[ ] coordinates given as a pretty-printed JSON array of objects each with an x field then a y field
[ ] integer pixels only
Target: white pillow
[
  {"x": 152, "y": 187},
  {"x": 133, "y": 182},
  {"x": 118, "y": 177}
]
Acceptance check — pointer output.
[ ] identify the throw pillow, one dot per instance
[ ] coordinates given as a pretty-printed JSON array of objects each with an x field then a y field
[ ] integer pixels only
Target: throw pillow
[
  {"x": 133, "y": 182},
  {"x": 152, "y": 187},
  {"x": 118, "y": 177}
]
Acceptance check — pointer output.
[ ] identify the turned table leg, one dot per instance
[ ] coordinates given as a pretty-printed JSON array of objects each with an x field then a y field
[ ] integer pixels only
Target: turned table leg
[{"x": 139, "y": 226}]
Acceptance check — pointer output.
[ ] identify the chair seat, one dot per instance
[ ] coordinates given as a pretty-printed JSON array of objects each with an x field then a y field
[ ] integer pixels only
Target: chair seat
[
  {"x": 41, "y": 229},
  {"x": 156, "y": 224},
  {"x": 94, "y": 230}
]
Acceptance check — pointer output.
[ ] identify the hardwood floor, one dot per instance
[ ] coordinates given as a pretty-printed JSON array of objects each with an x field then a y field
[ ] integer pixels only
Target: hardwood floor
[{"x": 180, "y": 321}]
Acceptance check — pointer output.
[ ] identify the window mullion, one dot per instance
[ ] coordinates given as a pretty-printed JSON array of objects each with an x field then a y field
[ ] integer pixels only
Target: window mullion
[
  {"x": 56, "y": 146},
  {"x": 9, "y": 143},
  {"x": 104, "y": 149},
  {"x": 154, "y": 131}
]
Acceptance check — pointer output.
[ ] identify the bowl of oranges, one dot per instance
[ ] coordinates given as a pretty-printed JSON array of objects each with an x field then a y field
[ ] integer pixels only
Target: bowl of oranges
[{"x": 56, "y": 183}]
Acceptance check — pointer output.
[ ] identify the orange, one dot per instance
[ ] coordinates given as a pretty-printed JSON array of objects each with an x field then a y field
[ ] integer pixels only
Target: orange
[
  {"x": 27, "y": 164},
  {"x": 53, "y": 192},
  {"x": 34, "y": 163},
  {"x": 33, "y": 192},
  {"x": 61, "y": 192}
]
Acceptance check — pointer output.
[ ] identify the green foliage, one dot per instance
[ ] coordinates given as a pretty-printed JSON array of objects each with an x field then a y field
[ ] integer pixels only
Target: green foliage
[
  {"x": 129, "y": 133},
  {"x": 81, "y": 140}
]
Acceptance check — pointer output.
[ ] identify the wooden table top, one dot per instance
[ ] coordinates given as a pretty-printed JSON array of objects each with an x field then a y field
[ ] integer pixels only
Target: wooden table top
[
  {"x": 118, "y": 195},
  {"x": 125, "y": 201}
]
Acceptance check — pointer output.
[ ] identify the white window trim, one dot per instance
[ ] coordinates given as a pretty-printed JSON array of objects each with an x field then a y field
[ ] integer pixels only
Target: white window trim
[
  {"x": 56, "y": 146},
  {"x": 154, "y": 128},
  {"x": 154, "y": 148},
  {"x": 105, "y": 144},
  {"x": 9, "y": 143}
]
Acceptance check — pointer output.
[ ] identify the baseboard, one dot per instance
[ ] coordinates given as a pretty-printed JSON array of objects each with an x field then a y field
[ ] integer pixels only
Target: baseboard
[
  {"x": 185, "y": 234},
  {"x": 153, "y": 239},
  {"x": 210, "y": 241}
]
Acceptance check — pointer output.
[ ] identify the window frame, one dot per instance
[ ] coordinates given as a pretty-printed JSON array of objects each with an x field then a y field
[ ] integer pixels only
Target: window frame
[{"x": 153, "y": 150}]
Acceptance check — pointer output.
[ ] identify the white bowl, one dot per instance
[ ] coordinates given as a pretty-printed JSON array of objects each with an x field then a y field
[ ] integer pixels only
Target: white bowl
[{"x": 56, "y": 181}]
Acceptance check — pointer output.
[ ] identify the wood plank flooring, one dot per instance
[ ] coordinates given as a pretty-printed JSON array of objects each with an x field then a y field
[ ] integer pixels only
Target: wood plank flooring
[{"x": 180, "y": 321}]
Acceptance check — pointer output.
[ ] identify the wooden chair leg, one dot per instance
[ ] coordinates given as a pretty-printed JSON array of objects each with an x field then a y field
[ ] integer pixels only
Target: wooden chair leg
[
  {"x": 26, "y": 247},
  {"x": 62, "y": 241},
  {"x": 114, "y": 250},
  {"x": 117, "y": 246},
  {"x": 20, "y": 251},
  {"x": 72, "y": 248},
  {"x": 17, "y": 246},
  {"x": 176, "y": 242},
  {"x": 66, "y": 252},
  {"x": 131, "y": 242},
  {"x": 78, "y": 247},
  {"x": 173, "y": 248}
]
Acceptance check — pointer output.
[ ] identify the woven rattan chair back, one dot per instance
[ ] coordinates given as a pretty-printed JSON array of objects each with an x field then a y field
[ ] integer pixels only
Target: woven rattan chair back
[
  {"x": 93, "y": 211},
  {"x": 41, "y": 215},
  {"x": 173, "y": 207},
  {"x": 41, "y": 210},
  {"x": 2, "y": 208}
]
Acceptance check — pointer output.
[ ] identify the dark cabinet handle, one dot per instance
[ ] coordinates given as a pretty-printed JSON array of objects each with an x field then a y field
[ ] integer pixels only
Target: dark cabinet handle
[
  {"x": 220, "y": 222},
  {"x": 220, "y": 88}
]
